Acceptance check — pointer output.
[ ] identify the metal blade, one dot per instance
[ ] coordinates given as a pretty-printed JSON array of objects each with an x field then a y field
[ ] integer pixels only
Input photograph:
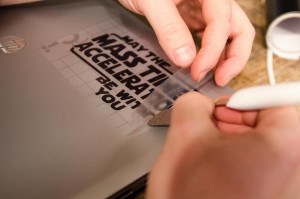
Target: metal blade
[{"x": 161, "y": 119}]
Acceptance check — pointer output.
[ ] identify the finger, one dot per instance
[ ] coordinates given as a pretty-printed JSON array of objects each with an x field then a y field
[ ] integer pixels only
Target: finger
[
  {"x": 284, "y": 119},
  {"x": 10, "y": 2},
  {"x": 191, "y": 13},
  {"x": 222, "y": 58},
  {"x": 171, "y": 31},
  {"x": 192, "y": 116},
  {"x": 230, "y": 116},
  {"x": 238, "y": 50},
  {"x": 281, "y": 127},
  {"x": 190, "y": 127},
  {"x": 229, "y": 128},
  {"x": 217, "y": 16}
]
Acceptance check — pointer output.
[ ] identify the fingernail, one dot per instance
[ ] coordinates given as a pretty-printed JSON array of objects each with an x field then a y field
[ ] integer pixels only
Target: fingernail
[
  {"x": 202, "y": 74},
  {"x": 184, "y": 56},
  {"x": 226, "y": 80}
]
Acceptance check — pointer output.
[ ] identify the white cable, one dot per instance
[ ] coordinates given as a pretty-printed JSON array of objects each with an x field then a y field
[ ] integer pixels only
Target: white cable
[{"x": 270, "y": 68}]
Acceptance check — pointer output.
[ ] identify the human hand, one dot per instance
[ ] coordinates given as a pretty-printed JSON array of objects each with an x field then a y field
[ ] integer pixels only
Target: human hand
[
  {"x": 226, "y": 32},
  {"x": 13, "y": 2},
  {"x": 201, "y": 159}
]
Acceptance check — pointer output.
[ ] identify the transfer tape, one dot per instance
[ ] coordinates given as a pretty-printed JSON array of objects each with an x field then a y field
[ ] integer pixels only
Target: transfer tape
[{"x": 123, "y": 73}]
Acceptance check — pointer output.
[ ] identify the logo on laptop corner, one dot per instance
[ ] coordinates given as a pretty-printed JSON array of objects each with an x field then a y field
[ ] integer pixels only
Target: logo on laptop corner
[{"x": 11, "y": 44}]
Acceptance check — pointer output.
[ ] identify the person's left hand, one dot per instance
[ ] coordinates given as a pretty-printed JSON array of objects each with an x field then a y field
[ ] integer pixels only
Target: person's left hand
[
  {"x": 218, "y": 152},
  {"x": 226, "y": 33}
]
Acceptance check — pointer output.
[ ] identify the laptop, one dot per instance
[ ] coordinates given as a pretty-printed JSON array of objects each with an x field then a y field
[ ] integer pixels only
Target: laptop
[
  {"x": 61, "y": 135},
  {"x": 79, "y": 80}
]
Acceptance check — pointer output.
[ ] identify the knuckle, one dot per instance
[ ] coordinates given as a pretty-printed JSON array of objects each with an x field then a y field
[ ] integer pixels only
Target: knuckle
[
  {"x": 131, "y": 5},
  {"x": 226, "y": 26},
  {"x": 187, "y": 97},
  {"x": 252, "y": 31},
  {"x": 170, "y": 31},
  {"x": 249, "y": 30}
]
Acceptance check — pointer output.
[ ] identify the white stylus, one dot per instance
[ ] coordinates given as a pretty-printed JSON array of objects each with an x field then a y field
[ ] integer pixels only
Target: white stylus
[{"x": 266, "y": 96}]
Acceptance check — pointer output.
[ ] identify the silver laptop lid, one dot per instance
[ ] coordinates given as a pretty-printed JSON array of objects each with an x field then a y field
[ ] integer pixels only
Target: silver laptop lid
[{"x": 58, "y": 138}]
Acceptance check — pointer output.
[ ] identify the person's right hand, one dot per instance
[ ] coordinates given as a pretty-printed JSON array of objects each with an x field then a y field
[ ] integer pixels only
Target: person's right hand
[
  {"x": 13, "y": 2},
  {"x": 225, "y": 31},
  {"x": 235, "y": 155}
]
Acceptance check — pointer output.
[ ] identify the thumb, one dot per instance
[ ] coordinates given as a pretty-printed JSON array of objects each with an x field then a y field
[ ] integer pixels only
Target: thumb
[
  {"x": 171, "y": 31},
  {"x": 192, "y": 117},
  {"x": 191, "y": 126}
]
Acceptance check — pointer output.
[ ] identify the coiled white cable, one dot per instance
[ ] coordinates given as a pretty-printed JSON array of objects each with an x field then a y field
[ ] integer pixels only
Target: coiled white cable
[
  {"x": 282, "y": 39},
  {"x": 270, "y": 67}
]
